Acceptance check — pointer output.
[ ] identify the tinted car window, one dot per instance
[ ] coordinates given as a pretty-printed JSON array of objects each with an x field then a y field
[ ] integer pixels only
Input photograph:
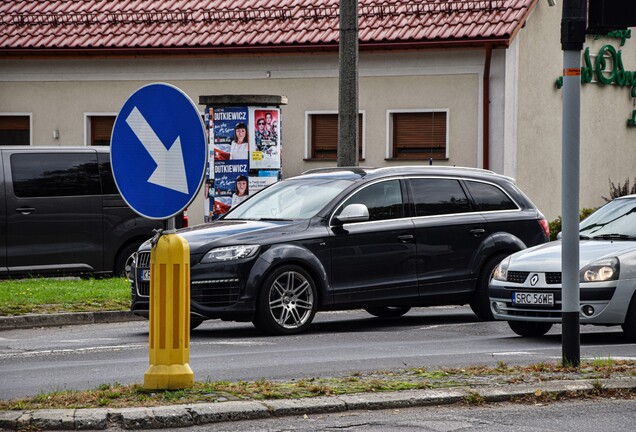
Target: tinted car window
[
  {"x": 435, "y": 196},
  {"x": 49, "y": 175},
  {"x": 106, "y": 174},
  {"x": 384, "y": 200},
  {"x": 489, "y": 197}
]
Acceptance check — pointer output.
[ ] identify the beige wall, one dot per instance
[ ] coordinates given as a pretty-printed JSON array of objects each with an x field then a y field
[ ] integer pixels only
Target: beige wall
[
  {"x": 608, "y": 147},
  {"x": 60, "y": 94}
]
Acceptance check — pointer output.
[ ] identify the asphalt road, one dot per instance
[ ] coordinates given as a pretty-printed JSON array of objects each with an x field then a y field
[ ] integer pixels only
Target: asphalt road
[
  {"x": 83, "y": 357},
  {"x": 599, "y": 415}
]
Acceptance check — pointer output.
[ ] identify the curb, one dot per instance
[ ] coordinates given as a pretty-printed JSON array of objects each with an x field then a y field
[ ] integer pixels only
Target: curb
[
  {"x": 201, "y": 414},
  {"x": 64, "y": 319}
]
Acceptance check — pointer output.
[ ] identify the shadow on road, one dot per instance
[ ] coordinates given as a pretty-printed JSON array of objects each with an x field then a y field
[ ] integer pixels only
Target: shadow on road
[{"x": 334, "y": 323}]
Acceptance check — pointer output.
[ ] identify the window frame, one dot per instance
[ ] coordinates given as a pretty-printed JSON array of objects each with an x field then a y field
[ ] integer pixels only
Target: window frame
[
  {"x": 21, "y": 114},
  {"x": 390, "y": 136},
  {"x": 308, "y": 156},
  {"x": 88, "y": 126}
]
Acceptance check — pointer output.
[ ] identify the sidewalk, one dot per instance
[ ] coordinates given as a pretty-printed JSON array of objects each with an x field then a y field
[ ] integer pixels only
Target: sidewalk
[{"x": 206, "y": 413}]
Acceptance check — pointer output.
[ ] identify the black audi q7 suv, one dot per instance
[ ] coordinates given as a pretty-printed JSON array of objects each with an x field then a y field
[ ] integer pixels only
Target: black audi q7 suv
[{"x": 383, "y": 239}]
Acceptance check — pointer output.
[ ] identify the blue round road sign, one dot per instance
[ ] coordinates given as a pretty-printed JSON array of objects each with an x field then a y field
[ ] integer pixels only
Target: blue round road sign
[{"x": 158, "y": 151}]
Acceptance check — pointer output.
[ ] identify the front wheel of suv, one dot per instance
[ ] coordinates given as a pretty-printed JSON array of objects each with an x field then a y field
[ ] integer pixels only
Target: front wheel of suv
[
  {"x": 479, "y": 303},
  {"x": 530, "y": 329},
  {"x": 287, "y": 303}
]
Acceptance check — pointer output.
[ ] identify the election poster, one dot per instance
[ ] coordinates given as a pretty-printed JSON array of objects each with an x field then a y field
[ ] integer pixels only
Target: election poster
[
  {"x": 265, "y": 148},
  {"x": 244, "y": 155}
]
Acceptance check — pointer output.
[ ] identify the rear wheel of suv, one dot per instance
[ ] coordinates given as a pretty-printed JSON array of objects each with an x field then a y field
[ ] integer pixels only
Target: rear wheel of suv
[
  {"x": 388, "y": 311},
  {"x": 287, "y": 303},
  {"x": 479, "y": 303},
  {"x": 530, "y": 329}
]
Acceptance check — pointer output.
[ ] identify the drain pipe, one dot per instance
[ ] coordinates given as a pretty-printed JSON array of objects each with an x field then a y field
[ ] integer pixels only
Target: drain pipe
[{"x": 486, "y": 104}]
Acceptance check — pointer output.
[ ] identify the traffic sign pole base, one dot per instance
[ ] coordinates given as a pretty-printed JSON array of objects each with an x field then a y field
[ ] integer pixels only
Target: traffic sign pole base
[{"x": 169, "y": 377}]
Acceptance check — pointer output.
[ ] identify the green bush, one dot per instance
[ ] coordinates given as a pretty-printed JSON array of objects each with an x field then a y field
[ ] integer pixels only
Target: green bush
[
  {"x": 616, "y": 190},
  {"x": 555, "y": 225}
]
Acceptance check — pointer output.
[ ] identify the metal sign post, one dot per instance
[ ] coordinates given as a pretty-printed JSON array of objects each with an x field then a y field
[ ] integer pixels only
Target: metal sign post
[
  {"x": 158, "y": 157},
  {"x": 573, "y": 26}
]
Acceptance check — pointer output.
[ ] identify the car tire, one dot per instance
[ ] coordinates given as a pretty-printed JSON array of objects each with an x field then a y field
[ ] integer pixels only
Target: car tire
[
  {"x": 480, "y": 303},
  {"x": 388, "y": 311},
  {"x": 530, "y": 329},
  {"x": 123, "y": 258},
  {"x": 629, "y": 326},
  {"x": 287, "y": 302}
]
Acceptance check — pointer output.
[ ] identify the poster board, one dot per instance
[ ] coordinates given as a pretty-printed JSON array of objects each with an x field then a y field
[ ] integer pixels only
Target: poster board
[{"x": 244, "y": 154}]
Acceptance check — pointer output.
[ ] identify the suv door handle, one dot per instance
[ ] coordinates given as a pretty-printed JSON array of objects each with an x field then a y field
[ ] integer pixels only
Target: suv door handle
[
  {"x": 25, "y": 210},
  {"x": 406, "y": 238},
  {"x": 477, "y": 231}
]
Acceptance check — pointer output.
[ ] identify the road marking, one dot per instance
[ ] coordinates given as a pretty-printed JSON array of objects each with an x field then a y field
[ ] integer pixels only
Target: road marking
[{"x": 27, "y": 354}]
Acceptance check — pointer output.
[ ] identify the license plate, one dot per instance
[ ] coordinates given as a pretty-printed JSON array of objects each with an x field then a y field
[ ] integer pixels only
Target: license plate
[
  {"x": 144, "y": 275},
  {"x": 539, "y": 299}
]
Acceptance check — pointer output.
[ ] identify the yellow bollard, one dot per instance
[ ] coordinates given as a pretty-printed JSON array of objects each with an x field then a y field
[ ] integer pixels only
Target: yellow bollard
[{"x": 169, "y": 337}]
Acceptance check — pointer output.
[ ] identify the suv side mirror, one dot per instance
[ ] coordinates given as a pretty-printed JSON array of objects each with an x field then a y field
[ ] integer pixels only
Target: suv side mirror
[{"x": 353, "y": 213}]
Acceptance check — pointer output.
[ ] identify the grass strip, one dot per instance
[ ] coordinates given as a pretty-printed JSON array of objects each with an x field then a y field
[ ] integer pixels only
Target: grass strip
[
  {"x": 121, "y": 396},
  {"x": 51, "y": 295}
]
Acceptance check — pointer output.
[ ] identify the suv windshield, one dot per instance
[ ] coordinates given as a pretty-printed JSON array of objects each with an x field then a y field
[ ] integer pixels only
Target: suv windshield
[
  {"x": 300, "y": 198},
  {"x": 616, "y": 220}
]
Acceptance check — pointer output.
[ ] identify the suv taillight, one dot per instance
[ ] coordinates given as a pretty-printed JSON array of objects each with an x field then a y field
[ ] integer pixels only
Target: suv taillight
[
  {"x": 184, "y": 219},
  {"x": 546, "y": 227}
]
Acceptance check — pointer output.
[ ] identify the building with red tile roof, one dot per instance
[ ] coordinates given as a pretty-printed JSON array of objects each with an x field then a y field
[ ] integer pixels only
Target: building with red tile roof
[{"x": 464, "y": 82}]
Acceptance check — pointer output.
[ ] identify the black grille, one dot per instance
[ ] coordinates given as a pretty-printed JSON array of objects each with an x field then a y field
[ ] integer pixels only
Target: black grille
[
  {"x": 517, "y": 276},
  {"x": 142, "y": 262},
  {"x": 215, "y": 293},
  {"x": 553, "y": 278}
]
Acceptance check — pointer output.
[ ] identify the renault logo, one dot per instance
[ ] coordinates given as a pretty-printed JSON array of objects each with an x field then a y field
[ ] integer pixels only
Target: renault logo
[{"x": 534, "y": 279}]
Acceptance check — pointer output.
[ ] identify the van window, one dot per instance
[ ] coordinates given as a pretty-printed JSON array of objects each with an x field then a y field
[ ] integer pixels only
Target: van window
[
  {"x": 51, "y": 175},
  {"x": 437, "y": 196},
  {"x": 489, "y": 197},
  {"x": 106, "y": 173}
]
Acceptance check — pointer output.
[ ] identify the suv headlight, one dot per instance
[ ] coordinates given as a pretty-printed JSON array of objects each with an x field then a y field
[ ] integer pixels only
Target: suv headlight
[
  {"x": 230, "y": 253},
  {"x": 602, "y": 270},
  {"x": 501, "y": 271}
]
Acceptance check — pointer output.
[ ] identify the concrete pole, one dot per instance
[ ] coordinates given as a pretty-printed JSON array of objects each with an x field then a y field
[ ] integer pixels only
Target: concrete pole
[
  {"x": 573, "y": 26},
  {"x": 348, "y": 85}
]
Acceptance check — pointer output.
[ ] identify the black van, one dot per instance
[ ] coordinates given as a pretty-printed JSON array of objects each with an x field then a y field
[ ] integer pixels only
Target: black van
[{"x": 61, "y": 213}]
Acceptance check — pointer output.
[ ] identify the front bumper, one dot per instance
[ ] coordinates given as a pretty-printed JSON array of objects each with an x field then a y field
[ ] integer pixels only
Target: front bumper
[
  {"x": 602, "y": 303},
  {"x": 217, "y": 291}
]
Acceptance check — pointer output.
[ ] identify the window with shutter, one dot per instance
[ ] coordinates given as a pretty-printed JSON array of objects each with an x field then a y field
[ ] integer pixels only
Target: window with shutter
[
  {"x": 101, "y": 129},
  {"x": 15, "y": 130},
  {"x": 324, "y": 136},
  {"x": 419, "y": 135}
]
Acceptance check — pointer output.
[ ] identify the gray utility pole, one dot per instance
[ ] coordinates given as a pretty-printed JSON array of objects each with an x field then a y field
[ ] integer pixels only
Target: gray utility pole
[
  {"x": 348, "y": 85},
  {"x": 573, "y": 27}
]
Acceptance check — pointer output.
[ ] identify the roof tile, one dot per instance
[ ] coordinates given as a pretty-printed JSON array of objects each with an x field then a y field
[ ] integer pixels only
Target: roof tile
[{"x": 49, "y": 25}]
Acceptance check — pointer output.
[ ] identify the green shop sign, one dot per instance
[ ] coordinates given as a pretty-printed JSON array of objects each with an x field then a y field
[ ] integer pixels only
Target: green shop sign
[{"x": 608, "y": 72}]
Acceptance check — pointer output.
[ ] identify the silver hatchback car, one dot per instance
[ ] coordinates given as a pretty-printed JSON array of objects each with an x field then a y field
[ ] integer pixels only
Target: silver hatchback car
[{"x": 525, "y": 288}]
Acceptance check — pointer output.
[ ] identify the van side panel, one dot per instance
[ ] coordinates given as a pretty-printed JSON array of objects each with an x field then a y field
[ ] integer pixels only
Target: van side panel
[
  {"x": 3, "y": 223},
  {"x": 54, "y": 214}
]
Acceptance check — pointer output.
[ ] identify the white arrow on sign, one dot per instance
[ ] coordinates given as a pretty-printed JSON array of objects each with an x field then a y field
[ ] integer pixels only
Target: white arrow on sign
[{"x": 170, "y": 172}]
